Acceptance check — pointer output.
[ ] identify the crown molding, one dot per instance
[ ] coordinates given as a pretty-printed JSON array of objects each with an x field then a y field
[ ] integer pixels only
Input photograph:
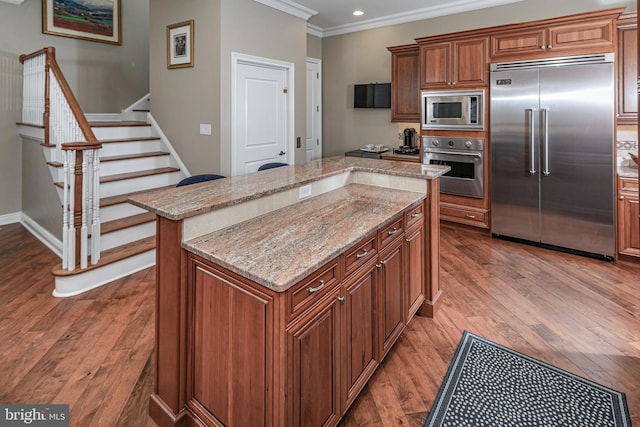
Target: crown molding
[
  {"x": 289, "y": 7},
  {"x": 450, "y": 8},
  {"x": 13, "y": 1}
]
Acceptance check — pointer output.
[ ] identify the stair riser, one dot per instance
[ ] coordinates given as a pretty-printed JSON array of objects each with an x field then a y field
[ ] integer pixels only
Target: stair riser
[
  {"x": 138, "y": 184},
  {"x": 121, "y": 132},
  {"x": 130, "y": 147},
  {"x": 127, "y": 235},
  {"x": 123, "y": 166},
  {"x": 121, "y": 210}
]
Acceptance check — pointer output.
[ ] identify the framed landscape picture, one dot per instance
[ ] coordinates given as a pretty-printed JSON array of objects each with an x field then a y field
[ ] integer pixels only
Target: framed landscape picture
[
  {"x": 94, "y": 20},
  {"x": 180, "y": 45}
]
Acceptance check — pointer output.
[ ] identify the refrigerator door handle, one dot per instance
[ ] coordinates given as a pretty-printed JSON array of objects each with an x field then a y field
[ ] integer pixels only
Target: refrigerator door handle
[
  {"x": 532, "y": 141},
  {"x": 546, "y": 171}
]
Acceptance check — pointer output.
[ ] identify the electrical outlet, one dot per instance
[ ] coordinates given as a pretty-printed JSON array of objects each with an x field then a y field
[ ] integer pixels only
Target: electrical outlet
[
  {"x": 205, "y": 129},
  {"x": 305, "y": 191}
]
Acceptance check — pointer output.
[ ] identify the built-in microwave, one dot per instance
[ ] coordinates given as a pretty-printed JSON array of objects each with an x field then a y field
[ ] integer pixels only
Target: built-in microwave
[{"x": 453, "y": 109}]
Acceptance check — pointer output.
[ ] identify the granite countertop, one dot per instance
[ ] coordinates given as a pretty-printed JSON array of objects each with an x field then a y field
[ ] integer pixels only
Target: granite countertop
[
  {"x": 183, "y": 202},
  {"x": 280, "y": 248}
]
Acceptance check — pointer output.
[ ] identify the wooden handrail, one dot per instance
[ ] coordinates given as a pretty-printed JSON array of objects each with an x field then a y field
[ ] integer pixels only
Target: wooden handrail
[{"x": 24, "y": 57}]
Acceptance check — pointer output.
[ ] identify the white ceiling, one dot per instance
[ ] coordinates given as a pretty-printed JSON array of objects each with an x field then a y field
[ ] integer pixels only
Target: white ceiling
[{"x": 333, "y": 17}]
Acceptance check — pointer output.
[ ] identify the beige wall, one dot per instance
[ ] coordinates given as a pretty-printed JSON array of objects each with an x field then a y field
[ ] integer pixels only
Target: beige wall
[
  {"x": 314, "y": 47},
  {"x": 182, "y": 99},
  {"x": 104, "y": 78},
  {"x": 362, "y": 58}
]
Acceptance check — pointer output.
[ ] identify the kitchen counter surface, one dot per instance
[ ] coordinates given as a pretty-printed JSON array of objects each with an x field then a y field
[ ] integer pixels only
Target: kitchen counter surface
[
  {"x": 280, "y": 248},
  {"x": 627, "y": 171},
  {"x": 192, "y": 200}
]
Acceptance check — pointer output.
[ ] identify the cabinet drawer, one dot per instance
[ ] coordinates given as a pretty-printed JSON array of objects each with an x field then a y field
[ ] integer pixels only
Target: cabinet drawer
[
  {"x": 312, "y": 289},
  {"x": 390, "y": 232},
  {"x": 627, "y": 184},
  {"x": 464, "y": 215},
  {"x": 360, "y": 254},
  {"x": 414, "y": 216}
]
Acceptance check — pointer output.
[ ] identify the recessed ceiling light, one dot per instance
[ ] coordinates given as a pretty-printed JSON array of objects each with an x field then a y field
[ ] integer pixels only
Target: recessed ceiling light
[{"x": 358, "y": 13}]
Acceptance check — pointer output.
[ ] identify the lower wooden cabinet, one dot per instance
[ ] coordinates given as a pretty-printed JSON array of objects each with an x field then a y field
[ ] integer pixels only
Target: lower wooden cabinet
[
  {"x": 391, "y": 313},
  {"x": 414, "y": 267},
  {"x": 476, "y": 217},
  {"x": 314, "y": 349},
  {"x": 628, "y": 217}
]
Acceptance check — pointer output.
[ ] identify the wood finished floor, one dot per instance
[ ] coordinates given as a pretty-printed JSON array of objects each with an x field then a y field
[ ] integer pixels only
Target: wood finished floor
[{"x": 93, "y": 351}]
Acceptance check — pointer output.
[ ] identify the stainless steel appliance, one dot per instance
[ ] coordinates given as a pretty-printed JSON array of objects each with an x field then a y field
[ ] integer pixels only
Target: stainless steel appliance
[
  {"x": 465, "y": 156},
  {"x": 409, "y": 140},
  {"x": 453, "y": 110},
  {"x": 552, "y": 164}
]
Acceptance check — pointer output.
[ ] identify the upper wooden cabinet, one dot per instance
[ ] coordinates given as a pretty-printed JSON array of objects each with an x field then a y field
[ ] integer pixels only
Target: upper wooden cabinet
[
  {"x": 627, "y": 69},
  {"x": 592, "y": 32},
  {"x": 405, "y": 83},
  {"x": 447, "y": 64}
]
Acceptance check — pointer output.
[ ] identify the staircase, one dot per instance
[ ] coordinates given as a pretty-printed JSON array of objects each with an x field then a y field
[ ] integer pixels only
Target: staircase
[{"x": 133, "y": 158}]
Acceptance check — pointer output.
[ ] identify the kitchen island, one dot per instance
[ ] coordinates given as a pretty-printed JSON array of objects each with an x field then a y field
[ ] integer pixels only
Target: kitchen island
[{"x": 280, "y": 292}]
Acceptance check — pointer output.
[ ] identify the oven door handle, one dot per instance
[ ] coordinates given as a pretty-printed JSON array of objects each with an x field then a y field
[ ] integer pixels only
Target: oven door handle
[{"x": 454, "y": 153}]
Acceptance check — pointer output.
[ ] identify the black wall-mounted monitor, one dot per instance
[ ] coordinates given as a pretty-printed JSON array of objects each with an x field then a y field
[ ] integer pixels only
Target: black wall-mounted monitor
[{"x": 372, "y": 95}]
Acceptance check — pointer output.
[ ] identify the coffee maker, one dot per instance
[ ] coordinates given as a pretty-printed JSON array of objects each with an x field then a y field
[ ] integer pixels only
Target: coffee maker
[{"x": 409, "y": 138}]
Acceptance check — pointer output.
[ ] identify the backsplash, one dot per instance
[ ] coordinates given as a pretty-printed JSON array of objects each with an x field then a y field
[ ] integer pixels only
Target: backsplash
[{"x": 627, "y": 141}]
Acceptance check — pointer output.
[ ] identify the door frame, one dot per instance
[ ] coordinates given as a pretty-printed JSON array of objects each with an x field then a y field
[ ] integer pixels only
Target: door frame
[
  {"x": 238, "y": 59},
  {"x": 317, "y": 83}
]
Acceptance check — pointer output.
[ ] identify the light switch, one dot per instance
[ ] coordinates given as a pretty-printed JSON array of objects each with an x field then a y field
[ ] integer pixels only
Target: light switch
[{"x": 205, "y": 129}]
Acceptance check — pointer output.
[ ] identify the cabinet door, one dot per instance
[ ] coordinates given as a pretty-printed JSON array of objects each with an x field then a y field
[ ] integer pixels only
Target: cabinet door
[
  {"x": 435, "y": 62},
  {"x": 392, "y": 313},
  {"x": 314, "y": 347},
  {"x": 405, "y": 85},
  {"x": 514, "y": 43},
  {"x": 627, "y": 71},
  {"x": 359, "y": 333},
  {"x": 584, "y": 37},
  {"x": 628, "y": 224},
  {"x": 471, "y": 59},
  {"x": 415, "y": 269}
]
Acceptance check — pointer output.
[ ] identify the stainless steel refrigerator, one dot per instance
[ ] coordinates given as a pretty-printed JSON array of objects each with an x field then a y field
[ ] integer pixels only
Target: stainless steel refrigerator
[{"x": 552, "y": 158}]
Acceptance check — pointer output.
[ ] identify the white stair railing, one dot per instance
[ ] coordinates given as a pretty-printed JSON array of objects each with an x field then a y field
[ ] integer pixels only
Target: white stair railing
[{"x": 49, "y": 103}]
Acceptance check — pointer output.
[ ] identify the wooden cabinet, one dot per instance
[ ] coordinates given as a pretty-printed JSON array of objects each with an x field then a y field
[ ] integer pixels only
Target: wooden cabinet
[
  {"x": 447, "y": 64},
  {"x": 627, "y": 58},
  {"x": 414, "y": 267},
  {"x": 592, "y": 32},
  {"x": 628, "y": 217},
  {"x": 314, "y": 348},
  {"x": 467, "y": 215},
  {"x": 405, "y": 83},
  {"x": 391, "y": 314}
]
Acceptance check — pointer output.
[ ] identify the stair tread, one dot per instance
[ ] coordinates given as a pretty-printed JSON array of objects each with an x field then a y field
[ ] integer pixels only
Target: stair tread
[
  {"x": 131, "y": 139},
  {"x": 55, "y": 164},
  {"x": 129, "y": 221},
  {"x": 137, "y": 174},
  {"x": 134, "y": 156},
  {"x": 124, "y": 198},
  {"x": 124, "y": 123},
  {"x": 113, "y": 255}
]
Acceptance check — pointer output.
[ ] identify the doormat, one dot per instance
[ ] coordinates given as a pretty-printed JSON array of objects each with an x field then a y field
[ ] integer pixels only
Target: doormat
[{"x": 490, "y": 385}]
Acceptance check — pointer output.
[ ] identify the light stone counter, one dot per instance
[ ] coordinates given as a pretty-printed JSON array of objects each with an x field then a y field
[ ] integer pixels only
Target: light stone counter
[
  {"x": 282, "y": 247},
  {"x": 627, "y": 171},
  {"x": 192, "y": 200}
]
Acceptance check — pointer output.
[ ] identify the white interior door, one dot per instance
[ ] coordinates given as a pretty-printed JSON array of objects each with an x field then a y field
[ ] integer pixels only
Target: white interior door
[
  {"x": 261, "y": 114},
  {"x": 314, "y": 109}
]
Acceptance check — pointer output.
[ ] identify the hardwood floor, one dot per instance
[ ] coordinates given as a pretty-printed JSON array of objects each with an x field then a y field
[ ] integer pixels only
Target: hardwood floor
[{"x": 93, "y": 351}]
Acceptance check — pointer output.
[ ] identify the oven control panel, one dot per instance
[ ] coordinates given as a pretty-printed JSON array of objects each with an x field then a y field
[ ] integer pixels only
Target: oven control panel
[{"x": 452, "y": 143}]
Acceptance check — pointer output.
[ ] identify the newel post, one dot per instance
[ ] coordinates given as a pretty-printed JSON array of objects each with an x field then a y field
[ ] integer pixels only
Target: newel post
[{"x": 50, "y": 55}]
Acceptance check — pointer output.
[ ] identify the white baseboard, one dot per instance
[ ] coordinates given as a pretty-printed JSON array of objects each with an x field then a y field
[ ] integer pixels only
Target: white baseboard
[
  {"x": 10, "y": 218},
  {"x": 48, "y": 239},
  {"x": 183, "y": 168}
]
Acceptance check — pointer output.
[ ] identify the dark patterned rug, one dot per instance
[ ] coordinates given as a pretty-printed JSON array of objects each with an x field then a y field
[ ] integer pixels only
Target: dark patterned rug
[{"x": 490, "y": 385}]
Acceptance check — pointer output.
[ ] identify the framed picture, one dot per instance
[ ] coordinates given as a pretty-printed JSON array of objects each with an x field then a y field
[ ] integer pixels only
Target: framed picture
[
  {"x": 94, "y": 20},
  {"x": 180, "y": 45}
]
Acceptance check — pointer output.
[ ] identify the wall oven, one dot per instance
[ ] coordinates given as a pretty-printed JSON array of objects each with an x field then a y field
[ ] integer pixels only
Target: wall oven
[
  {"x": 453, "y": 110},
  {"x": 465, "y": 156}
]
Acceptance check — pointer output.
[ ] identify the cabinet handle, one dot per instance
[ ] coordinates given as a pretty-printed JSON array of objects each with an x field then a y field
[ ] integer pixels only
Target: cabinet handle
[
  {"x": 379, "y": 265},
  {"x": 341, "y": 299},
  {"x": 392, "y": 232},
  {"x": 415, "y": 214},
  {"x": 362, "y": 255},
  {"x": 621, "y": 197},
  {"x": 318, "y": 288},
  {"x": 549, "y": 46},
  {"x": 470, "y": 216},
  {"x": 543, "y": 47}
]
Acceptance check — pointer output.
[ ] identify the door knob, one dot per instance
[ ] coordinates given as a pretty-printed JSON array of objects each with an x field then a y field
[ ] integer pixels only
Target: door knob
[{"x": 282, "y": 153}]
